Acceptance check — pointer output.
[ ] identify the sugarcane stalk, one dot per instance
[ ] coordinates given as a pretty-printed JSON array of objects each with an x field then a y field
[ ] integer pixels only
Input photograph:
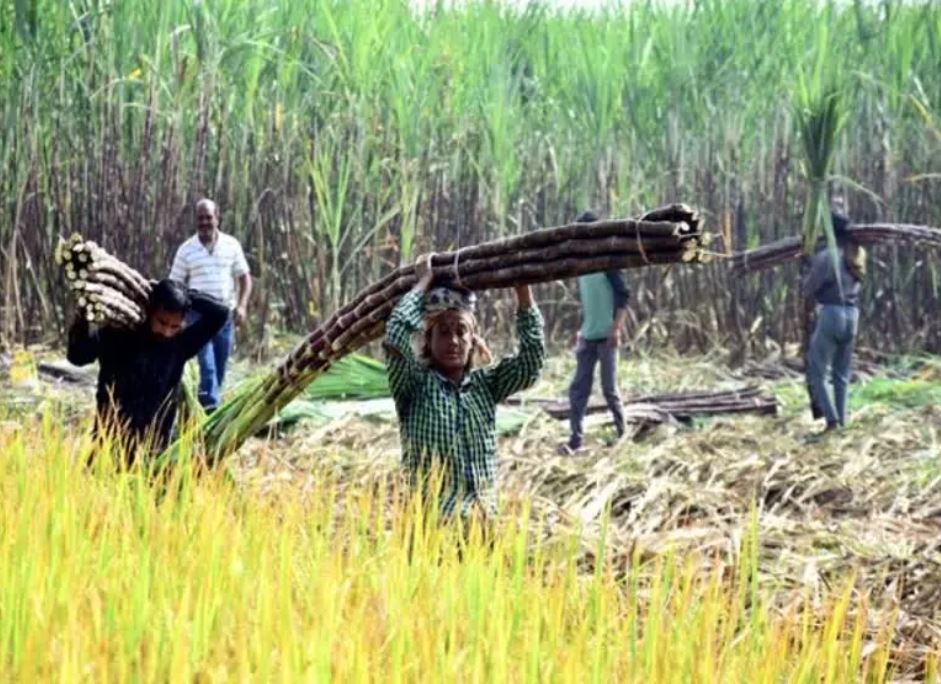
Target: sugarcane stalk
[
  {"x": 574, "y": 238},
  {"x": 116, "y": 283},
  {"x": 99, "y": 255},
  {"x": 460, "y": 266},
  {"x": 376, "y": 306},
  {"x": 720, "y": 395},
  {"x": 113, "y": 304},
  {"x": 749, "y": 400},
  {"x": 531, "y": 273},
  {"x": 107, "y": 290},
  {"x": 573, "y": 231},
  {"x": 488, "y": 272},
  {"x": 789, "y": 249},
  {"x": 240, "y": 416},
  {"x": 102, "y": 289},
  {"x": 111, "y": 268},
  {"x": 107, "y": 310}
]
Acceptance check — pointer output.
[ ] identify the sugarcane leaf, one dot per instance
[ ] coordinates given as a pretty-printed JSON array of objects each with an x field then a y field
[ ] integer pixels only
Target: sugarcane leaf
[
  {"x": 300, "y": 410},
  {"x": 351, "y": 377},
  {"x": 856, "y": 185},
  {"x": 510, "y": 422}
]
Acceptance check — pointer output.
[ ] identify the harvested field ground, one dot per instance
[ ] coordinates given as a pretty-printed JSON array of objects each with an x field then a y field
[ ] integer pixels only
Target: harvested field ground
[
  {"x": 866, "y": 502},
  {"x": 859, "y": 509}
]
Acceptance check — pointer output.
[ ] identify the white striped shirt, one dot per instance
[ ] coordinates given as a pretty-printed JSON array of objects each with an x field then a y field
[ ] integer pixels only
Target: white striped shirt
[{"x": 213, "y": 272}]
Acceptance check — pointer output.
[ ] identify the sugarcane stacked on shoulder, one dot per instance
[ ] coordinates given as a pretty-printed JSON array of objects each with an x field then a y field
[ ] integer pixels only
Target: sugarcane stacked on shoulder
[
  {"x": 669, "y": 235},
  {"x": 137, "y": 332},
  {"x": 107, "y": 291}
]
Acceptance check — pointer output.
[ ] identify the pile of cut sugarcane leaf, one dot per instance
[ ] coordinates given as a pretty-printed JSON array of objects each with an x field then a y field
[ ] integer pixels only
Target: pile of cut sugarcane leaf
[{"x": 352, "y": 377}]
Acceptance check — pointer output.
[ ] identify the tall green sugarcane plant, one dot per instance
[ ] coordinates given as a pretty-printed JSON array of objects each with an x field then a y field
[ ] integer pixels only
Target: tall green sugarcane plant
[{"x": 820, "y": 118}]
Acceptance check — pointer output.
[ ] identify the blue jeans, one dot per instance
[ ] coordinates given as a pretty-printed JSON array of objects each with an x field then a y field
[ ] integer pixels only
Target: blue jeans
[
  {"x": 212, "y": 359},
  {"x": 589, "y": 353},
  {"x": 831, "y": 349}
]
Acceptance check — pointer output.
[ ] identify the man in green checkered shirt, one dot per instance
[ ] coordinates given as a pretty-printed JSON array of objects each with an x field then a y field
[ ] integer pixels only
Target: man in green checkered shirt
[{"x": 445, "y": 403}]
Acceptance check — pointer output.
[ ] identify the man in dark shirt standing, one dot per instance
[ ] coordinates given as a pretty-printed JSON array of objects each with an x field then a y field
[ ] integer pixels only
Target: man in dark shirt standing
[
  {"x": 604, "y": 298},
  {"x": 140, "y": 369}
]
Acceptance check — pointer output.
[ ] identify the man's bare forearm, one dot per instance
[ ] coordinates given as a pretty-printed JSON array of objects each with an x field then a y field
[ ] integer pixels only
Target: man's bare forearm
[{"x": 245, "y": 291}]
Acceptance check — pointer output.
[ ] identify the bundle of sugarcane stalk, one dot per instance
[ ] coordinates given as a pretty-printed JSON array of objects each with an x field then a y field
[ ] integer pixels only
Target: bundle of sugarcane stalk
[
  {"x": 789, "y": 249},
  {"x": 665, "y": 236},
  {"x": 685, "y": 406},
  {"x": 107, "y": 291}
]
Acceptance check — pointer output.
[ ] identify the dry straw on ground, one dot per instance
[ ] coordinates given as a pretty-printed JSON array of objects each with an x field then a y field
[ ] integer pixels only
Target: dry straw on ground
[{"x": 865, "y": 503}]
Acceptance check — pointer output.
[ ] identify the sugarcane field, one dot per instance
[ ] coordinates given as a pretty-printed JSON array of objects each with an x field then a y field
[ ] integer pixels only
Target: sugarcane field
[{"x": 479, "y": 340}]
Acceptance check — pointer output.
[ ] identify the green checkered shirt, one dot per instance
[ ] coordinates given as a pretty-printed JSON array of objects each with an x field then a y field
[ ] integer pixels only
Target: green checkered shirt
[{"x": 455, "y": 427}]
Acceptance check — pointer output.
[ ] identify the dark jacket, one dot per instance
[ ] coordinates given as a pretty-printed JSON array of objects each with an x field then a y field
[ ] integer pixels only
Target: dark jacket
[
  {"x": 828, "y": 285},
  {"x": 139, "y": 374}
]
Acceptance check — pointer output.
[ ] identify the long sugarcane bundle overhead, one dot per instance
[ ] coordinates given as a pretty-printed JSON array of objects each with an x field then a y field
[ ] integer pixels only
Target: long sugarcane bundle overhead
[
  {"x": 107, "y": 291},
  {"x": 669, "y": 235},
  {"x": 789, "y": 249}
]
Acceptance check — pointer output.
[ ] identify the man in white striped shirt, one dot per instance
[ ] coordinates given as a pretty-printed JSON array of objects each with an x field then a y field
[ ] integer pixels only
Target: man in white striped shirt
[{"x": 213, "y": 262}]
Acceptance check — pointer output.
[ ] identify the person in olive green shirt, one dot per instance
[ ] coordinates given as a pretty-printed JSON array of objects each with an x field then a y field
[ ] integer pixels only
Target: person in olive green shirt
[{"x": 604, "y": 298}]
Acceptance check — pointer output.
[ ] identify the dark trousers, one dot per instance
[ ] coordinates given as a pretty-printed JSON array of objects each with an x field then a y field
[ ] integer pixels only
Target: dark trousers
[
  {"x": 831, "y": 350},
  {"x": 589, "y": 352}
]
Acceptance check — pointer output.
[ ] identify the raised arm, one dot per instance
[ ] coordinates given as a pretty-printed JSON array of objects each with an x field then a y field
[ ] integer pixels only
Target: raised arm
[
  {"x": 621, "y": 296},
  {"x": 821, "y": 267},
  {"x": 402, "y": 367},
  {"x": 212, "y": 316},
  {"x": 517, "y": 372},
  {"x": 84, "y": 343}
]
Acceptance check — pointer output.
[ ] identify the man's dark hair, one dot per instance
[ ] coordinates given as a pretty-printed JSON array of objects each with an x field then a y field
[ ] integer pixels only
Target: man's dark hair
[
  {"x": 169, "y": 295},
  {"x": 587, "y": 217}
]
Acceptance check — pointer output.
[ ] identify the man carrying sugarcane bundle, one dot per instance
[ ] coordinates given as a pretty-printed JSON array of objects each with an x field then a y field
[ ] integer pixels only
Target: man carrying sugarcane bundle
[
  {"x": 213, "y": 262},
  {"x": 446, "y": 402},
  {"x": 833, "y": 282},
  {"x": 604, "y": 298},
  {"x": 140, "y": 367}
]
